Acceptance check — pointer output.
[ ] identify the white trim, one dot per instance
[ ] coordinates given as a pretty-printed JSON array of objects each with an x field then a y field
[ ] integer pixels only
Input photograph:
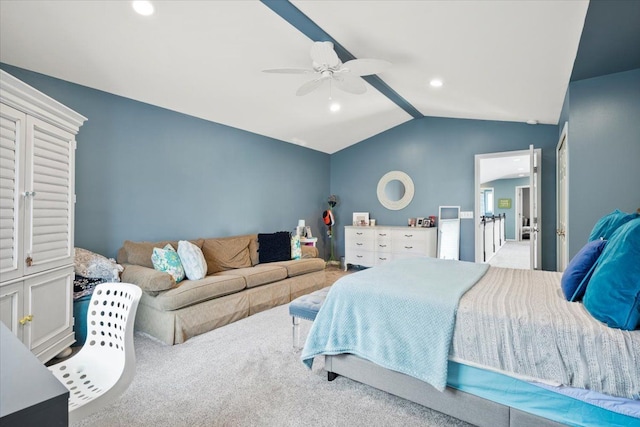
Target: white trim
[
  {"x": 23, "y": 97},
  {"x": 564, "y": 135}
]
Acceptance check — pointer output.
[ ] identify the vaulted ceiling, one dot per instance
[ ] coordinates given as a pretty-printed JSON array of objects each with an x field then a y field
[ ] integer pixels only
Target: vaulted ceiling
[{"x": 498, "y": 60}]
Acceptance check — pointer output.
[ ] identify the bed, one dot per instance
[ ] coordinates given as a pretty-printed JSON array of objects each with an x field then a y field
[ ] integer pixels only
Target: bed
[{"x": 488, "y": 345}]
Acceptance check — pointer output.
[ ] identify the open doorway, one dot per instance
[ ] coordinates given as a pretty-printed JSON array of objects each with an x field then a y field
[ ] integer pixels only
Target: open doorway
[{"x": 507, "y": 235}]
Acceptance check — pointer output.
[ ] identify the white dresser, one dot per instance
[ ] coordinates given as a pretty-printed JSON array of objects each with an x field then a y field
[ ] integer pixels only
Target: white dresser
[
  {"x": 369, "y": 246},
  {"x": 37, "y": 197}
]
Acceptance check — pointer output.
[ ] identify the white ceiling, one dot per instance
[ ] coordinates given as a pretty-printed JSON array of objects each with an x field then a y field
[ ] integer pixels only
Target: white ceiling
[
  {"x": 499, "y": 60},
  {"x": 504, "y": 167}
]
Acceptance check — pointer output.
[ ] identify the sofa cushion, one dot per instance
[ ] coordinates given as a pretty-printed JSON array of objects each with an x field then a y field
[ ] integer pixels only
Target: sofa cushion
[
  {"x": 259, "y": 275},
  {"x": 227, "y": 253},
  {"x": 150, "y": 280},
  {"x": 189, "y": 292},
  {"x": 297, "y": 267}
]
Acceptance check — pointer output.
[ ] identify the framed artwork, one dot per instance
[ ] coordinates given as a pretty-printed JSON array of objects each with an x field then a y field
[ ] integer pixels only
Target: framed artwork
[
  {"x": 361, "y": 218},
  {"x": 504, "y": 203},
  {"x": 420, "y": 222}
]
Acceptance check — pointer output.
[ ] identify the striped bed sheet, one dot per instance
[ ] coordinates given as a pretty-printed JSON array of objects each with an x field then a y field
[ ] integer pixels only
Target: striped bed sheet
[{"x": 517, "y": 322}]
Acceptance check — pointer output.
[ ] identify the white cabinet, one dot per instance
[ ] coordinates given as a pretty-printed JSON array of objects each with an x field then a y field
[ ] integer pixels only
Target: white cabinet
[
  {"x": 37, "y": 200},
  {"x": 370, "y": 246}
]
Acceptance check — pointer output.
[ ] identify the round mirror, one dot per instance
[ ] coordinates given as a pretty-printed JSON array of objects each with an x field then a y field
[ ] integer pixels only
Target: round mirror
[{"x": 395, "y": 190}]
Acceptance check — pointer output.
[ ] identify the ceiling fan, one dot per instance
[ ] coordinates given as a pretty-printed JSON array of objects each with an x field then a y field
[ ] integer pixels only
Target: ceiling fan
[{"x": 327, "y": 66}]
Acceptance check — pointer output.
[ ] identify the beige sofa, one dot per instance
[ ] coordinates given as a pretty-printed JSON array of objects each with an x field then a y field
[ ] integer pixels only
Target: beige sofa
[{"x": 236, "y": 286}]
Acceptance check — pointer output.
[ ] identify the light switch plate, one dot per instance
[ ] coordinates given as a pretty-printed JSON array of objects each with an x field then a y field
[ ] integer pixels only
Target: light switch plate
[{"x": 466, "y": 215}]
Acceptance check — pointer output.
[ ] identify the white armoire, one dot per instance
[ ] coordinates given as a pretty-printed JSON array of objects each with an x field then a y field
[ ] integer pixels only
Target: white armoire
[{"x": 37, "y": 198}]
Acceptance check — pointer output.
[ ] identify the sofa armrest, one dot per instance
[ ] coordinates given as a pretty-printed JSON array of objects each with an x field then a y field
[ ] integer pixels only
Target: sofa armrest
[
  {"x": 309, "y": 251},
  {"x": 150, "y": 280}
]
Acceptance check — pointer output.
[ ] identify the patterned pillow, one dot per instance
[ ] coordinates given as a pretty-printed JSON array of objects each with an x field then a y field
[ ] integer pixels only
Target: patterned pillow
[
  {"x": 168, "y": 261},
  {"x": 296, "y": 251},
  {"x": 95, "y": 266},
  {"x": 192, "y": 258}
]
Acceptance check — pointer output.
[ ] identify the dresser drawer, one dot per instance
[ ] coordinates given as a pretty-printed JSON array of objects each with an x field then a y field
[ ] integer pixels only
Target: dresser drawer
[
  {"x": 359, "y": 238},
  {"x": 360, "y": 257},
  {"x": 382, "y": 257},
  {"x": 409, "y": 235}
]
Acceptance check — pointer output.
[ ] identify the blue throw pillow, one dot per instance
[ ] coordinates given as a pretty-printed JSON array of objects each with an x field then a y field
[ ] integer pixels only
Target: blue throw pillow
[
  {"x": 608, "y": 224},
  {"x": 613, "y": 294},
  {"x": 576, "y": 277}
]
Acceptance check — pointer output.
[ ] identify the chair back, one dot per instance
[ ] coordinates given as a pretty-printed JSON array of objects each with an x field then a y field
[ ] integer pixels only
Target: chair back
[
  {"x": 110, "y": 323},
  {"x": 104, "y": 367}
]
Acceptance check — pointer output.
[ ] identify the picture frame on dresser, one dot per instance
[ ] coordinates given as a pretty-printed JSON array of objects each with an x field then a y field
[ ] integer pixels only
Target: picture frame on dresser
[{"x": 361, "y": 219}]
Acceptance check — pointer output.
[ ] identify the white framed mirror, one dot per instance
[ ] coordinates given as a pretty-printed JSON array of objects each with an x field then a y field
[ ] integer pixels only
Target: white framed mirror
[{"x": 395, "y": 190}]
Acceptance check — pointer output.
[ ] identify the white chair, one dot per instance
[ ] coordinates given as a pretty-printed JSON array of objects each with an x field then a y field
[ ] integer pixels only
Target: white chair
[{"x": 104, "y": 367}]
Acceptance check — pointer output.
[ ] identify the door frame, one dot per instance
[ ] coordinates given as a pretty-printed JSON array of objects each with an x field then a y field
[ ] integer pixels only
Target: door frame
[
  {"x": 519, "y": 198},
  {"x": 477, "y": 225},
  {"x": 564, "y": 138}
]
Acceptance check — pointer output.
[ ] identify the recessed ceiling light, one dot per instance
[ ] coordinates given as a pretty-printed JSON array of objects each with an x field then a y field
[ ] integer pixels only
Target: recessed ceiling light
[
  {"x": 334, "y": 107},
  {"x": 436, "y": 83},
  {"x": 143, "y": 7},
  {"x": 532, "y": 122},
  {"x": 521, "y": 175}
]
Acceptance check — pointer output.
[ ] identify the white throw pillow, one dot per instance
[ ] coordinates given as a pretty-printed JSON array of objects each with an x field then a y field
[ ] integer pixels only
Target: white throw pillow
[{"x": 193, "y": 261}]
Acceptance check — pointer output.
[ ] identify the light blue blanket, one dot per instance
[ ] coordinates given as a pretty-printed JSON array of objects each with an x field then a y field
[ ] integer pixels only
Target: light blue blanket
[{"x": 399, "y": 315}]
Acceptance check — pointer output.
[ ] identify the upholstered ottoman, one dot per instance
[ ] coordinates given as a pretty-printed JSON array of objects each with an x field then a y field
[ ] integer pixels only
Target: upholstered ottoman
[{"x": 305, "y": 307}]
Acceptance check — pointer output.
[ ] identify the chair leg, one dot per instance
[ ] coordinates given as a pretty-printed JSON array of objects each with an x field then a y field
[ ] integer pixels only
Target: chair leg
[{"x": 296, "y": 332}]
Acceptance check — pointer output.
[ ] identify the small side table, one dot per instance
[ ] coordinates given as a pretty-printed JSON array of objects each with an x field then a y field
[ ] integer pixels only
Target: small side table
[{"x": 308, "y": 241}]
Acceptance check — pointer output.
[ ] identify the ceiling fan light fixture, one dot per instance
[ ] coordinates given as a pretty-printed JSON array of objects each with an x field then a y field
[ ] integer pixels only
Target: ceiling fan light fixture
[{"x": 143, "y": 7}]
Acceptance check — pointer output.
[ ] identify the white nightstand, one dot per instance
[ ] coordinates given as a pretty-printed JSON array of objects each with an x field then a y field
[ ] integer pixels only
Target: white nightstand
[{"x": 308, "y": 241}]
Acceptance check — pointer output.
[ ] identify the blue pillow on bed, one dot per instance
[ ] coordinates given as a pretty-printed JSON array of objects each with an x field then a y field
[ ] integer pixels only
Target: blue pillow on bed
[
  {"x": 608, "y": 224},
  {"x": 613, "y": 294},
  {"x": 577, "y": 274}
]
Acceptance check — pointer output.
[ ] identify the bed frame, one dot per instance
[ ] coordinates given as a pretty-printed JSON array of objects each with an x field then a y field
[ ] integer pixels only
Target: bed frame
[{"x": 458, "y": 404}]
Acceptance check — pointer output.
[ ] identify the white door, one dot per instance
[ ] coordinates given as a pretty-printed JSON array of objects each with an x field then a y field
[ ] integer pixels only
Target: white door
[
  {"x": 49, "y": 206},
  {"x": 12, "y": 129},
  {"x": 562, "y": 239},
  {"x": 534, "y": 207}
]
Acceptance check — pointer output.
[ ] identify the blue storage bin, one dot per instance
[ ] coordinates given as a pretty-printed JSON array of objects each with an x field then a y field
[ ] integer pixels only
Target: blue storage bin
[{"x": 80, "y": 307}]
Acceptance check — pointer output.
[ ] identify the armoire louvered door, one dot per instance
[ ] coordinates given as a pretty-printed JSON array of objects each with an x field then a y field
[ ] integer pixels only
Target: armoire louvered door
[
  {"x": 12, "y": 129},
  {"x": 48, "y": 203}
]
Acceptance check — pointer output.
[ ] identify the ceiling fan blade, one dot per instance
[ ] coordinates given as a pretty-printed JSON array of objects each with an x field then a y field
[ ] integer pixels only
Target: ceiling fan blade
[
  {"x": 289, "y": 70},
  {"x": 365, "y": 67},
  {"x": 310, "y": 86},
  {"x": 351, "y": 84},
  {"x": 322, "y": 54}
]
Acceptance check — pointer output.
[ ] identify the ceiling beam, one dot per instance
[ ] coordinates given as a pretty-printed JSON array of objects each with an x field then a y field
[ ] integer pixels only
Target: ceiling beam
[{"x": 306, "y": 26}]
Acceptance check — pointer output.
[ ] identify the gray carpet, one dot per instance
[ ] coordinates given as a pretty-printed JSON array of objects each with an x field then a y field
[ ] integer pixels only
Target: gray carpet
[{"x": 246, "y": 374}]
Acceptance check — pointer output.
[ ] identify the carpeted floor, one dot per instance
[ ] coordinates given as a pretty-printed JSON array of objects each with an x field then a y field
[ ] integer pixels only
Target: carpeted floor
[
  {"x": 513, "y": 255},
  {"x": 247, "y": 374}
]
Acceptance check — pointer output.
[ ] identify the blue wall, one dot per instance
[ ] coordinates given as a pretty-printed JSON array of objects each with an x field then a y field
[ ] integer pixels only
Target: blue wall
[
  {"x": 147, "y": 173},
  {"x": 604, "y": 150},
  {"x": 506, "y": 189},
  {"x": 438, "y": 154}
]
